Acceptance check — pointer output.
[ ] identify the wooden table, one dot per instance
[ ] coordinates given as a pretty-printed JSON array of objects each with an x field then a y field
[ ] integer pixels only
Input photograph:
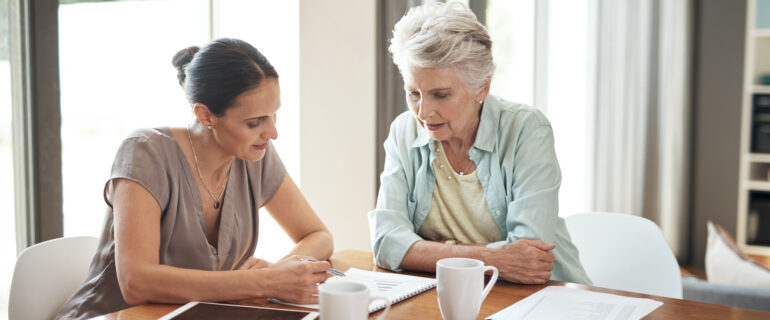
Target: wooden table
[{"x": 425, "y": 305}]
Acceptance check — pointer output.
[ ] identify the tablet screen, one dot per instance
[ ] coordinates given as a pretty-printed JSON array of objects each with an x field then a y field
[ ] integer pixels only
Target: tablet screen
[{"x": 205, "y": 310}]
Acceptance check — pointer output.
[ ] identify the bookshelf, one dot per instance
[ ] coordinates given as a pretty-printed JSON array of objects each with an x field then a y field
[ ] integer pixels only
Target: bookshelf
[{"x": 753, "y": 234}]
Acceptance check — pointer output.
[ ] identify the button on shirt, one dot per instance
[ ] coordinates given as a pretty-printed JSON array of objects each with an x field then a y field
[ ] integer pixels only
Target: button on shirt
[{"x": 517, "y": 166}]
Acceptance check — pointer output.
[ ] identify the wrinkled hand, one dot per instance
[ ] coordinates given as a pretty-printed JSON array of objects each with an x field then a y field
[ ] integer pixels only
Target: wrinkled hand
[
  {"x": 254, "y": 263},
  {"x": 524, "y": 261},
  {"x": 297, "y": 278}
]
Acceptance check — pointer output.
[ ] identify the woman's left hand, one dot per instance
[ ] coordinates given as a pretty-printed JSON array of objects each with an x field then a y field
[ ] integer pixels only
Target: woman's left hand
[{"x": 523, "y": 261}]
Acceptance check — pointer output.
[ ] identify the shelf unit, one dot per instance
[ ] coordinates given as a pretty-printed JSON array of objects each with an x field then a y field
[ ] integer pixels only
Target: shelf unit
[{"x": 754, "y": 184}]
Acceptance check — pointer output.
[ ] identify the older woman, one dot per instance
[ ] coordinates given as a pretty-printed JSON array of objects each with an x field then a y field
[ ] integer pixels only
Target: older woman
[{"x": 466, "y": 174}]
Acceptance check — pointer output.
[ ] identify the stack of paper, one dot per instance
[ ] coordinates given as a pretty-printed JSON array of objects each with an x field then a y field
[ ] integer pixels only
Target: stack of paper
[{"x": 568, "y": 303}]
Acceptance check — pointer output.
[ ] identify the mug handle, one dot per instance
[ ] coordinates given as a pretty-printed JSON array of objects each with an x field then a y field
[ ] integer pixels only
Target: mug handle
[
  {"x": 387, "y": 305},
  {"x": 491, "y": 281}
]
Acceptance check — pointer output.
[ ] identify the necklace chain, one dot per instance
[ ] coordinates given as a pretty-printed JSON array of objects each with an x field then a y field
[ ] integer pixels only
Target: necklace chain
[
  {"x": 467, "y": 166},
  {"x": 211, "y": 194}
]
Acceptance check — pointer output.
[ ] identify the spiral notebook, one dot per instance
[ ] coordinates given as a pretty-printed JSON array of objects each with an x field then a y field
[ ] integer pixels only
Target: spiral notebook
[{"x": 394, "y": 286}]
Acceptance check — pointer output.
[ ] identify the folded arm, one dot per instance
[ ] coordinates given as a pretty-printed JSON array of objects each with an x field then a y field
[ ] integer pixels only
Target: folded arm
[{"x": 396, "y": 245}]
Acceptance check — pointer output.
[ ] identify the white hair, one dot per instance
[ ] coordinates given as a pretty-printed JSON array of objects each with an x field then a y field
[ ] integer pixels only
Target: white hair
[{"x": 438, "y": 35}]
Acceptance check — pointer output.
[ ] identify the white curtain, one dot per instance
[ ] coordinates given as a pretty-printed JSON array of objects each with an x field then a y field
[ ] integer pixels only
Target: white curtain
[{"x": 641, "y": 112}]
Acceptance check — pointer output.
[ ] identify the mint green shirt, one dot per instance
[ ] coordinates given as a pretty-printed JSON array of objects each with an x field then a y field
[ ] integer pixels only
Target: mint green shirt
[{"x": 516, "y": 164}]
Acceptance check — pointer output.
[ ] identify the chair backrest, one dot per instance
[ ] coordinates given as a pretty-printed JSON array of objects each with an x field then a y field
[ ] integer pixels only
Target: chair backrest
[
  {"x": 625, "y": 252},
  {"x": 47, "y": 274}
]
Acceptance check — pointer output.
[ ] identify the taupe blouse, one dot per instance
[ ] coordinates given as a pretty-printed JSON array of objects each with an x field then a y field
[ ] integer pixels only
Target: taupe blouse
[{"x": 153, "y": 159}]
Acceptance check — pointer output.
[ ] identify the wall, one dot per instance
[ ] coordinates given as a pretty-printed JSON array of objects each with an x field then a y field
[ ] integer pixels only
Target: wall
[
  {"x": 337, "y": 115},
  {"x": 717, "y": 87}
]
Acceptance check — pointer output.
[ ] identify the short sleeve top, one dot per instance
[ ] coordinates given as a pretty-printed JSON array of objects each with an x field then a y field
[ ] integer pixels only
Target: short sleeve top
[{"x": 153, "y": 159}]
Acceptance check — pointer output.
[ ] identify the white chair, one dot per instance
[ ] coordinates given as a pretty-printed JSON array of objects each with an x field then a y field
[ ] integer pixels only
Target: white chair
[
  {"x": 625, "y": 252},
  {"x": 47, "y": 274}
]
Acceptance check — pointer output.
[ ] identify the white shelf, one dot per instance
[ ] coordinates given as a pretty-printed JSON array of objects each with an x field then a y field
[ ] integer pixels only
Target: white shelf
[
  {"x": 759, "y": 157},
  {"x": 754, "y": 185},
  {"x": 761, "y": 33},
  {"x": 756, "y": 250},
  {"x": 761, "y": 89}
]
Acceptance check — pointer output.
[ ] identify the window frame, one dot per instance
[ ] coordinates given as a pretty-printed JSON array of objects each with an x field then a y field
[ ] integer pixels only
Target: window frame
[{"x": 36, "y": 120}]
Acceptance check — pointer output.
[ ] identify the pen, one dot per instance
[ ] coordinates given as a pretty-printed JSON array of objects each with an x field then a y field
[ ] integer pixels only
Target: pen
[
  {"x": 335, "y": 272},
  {"x": 331, "y": 271}
]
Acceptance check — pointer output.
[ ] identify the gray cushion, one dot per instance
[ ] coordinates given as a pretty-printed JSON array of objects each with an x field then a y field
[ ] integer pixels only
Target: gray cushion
[{"x": 742, "y": 297}]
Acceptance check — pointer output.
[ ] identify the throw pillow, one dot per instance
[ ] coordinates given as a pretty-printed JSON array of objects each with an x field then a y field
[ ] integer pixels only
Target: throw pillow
[{"x": 727, "y": 264}]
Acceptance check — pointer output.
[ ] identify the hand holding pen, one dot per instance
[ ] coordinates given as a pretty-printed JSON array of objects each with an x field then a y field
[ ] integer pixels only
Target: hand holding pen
[
  {"x": 295, "y": 279},
  {"x": 330, "y": 271}
]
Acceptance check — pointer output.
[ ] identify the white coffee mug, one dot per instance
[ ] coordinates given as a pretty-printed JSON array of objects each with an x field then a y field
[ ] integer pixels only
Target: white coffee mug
[
  {"x": 347, "y": 300},
  {"x": 460, "y": 287}
]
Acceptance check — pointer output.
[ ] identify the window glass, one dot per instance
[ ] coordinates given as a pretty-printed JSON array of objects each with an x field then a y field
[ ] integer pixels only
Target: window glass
[
  {"x": 7, "y": 213},
  {"x": 511, "y": 24},
  {"x": 275, "y": 33},
  {"x": 116, "y": 76},
  {"x": 567, "y": 96}
]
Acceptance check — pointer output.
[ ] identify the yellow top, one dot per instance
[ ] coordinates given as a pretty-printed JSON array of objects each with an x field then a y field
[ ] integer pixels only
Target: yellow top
[{"x": 458, "y": 211}]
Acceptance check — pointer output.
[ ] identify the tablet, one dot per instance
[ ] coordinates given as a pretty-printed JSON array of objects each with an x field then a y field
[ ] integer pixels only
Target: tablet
[{"x": 208, "y": 310}]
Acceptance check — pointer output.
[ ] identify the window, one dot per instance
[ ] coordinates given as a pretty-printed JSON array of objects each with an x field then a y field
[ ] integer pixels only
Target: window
[
  {"x": 116, "y": 76},
  {"x": 7, "y": 216},
  {"x": 275, "y": 33},
  {"x": 552, "y": 61},
  {"x": 567, "y": 99},
  {"x": 511, "y": 24}
]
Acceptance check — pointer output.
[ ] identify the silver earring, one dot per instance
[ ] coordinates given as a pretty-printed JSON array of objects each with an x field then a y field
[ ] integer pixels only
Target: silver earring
[
  {"x": 209, "y": 127},
  {"x": 481, "y": 101}
]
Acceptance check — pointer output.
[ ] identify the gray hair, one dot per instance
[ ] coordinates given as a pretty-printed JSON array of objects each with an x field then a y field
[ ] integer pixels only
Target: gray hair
[{"x": 437, "y": 35}]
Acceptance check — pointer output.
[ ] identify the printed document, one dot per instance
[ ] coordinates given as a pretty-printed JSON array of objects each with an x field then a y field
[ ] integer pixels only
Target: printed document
[{"x": 558, "y": 302}]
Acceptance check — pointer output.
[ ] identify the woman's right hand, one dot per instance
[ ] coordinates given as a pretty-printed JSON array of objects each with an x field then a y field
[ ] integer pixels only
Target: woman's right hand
[
  {"x": 295, "y": 279},
  {"x": 523, "y": 261}
]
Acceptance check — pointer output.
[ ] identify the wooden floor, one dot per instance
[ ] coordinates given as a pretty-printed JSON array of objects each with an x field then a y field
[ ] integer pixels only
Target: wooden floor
[
  {"x": 763, "y": 260},
  {"x": 700, "y": 272}
]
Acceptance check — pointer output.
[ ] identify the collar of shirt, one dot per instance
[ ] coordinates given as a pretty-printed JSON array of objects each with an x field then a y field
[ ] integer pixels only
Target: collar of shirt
[{"x": 486, "y": 134}]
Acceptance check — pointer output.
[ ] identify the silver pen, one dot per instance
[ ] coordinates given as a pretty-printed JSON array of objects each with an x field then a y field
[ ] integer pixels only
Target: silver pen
[
  {"x": 331, "y": 271},
  {"x": 335, "y": 272}
]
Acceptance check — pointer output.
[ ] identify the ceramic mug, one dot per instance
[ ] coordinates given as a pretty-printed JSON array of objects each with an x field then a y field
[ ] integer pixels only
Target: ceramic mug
[
  {"x": 347, "y": 300},
  {"x": 460, "y": 287}
]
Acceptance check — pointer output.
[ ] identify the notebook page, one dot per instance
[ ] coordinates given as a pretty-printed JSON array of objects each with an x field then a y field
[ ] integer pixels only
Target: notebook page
[{"x": 394, "y": 286}]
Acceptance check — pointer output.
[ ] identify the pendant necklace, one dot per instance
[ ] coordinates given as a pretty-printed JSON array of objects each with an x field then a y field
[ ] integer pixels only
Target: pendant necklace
[
  {"x": 466, "y": 166},
  {"x": 217, "y": 203}
]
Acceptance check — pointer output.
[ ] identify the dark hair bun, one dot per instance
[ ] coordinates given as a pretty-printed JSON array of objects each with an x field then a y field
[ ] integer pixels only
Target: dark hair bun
[
  {"x": 222, "y": 70},
  {"x": 181, "y": 59}
]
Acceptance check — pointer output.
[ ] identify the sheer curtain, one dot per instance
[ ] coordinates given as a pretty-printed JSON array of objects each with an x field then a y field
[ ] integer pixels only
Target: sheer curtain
[{"x": 641, "y": 112}]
